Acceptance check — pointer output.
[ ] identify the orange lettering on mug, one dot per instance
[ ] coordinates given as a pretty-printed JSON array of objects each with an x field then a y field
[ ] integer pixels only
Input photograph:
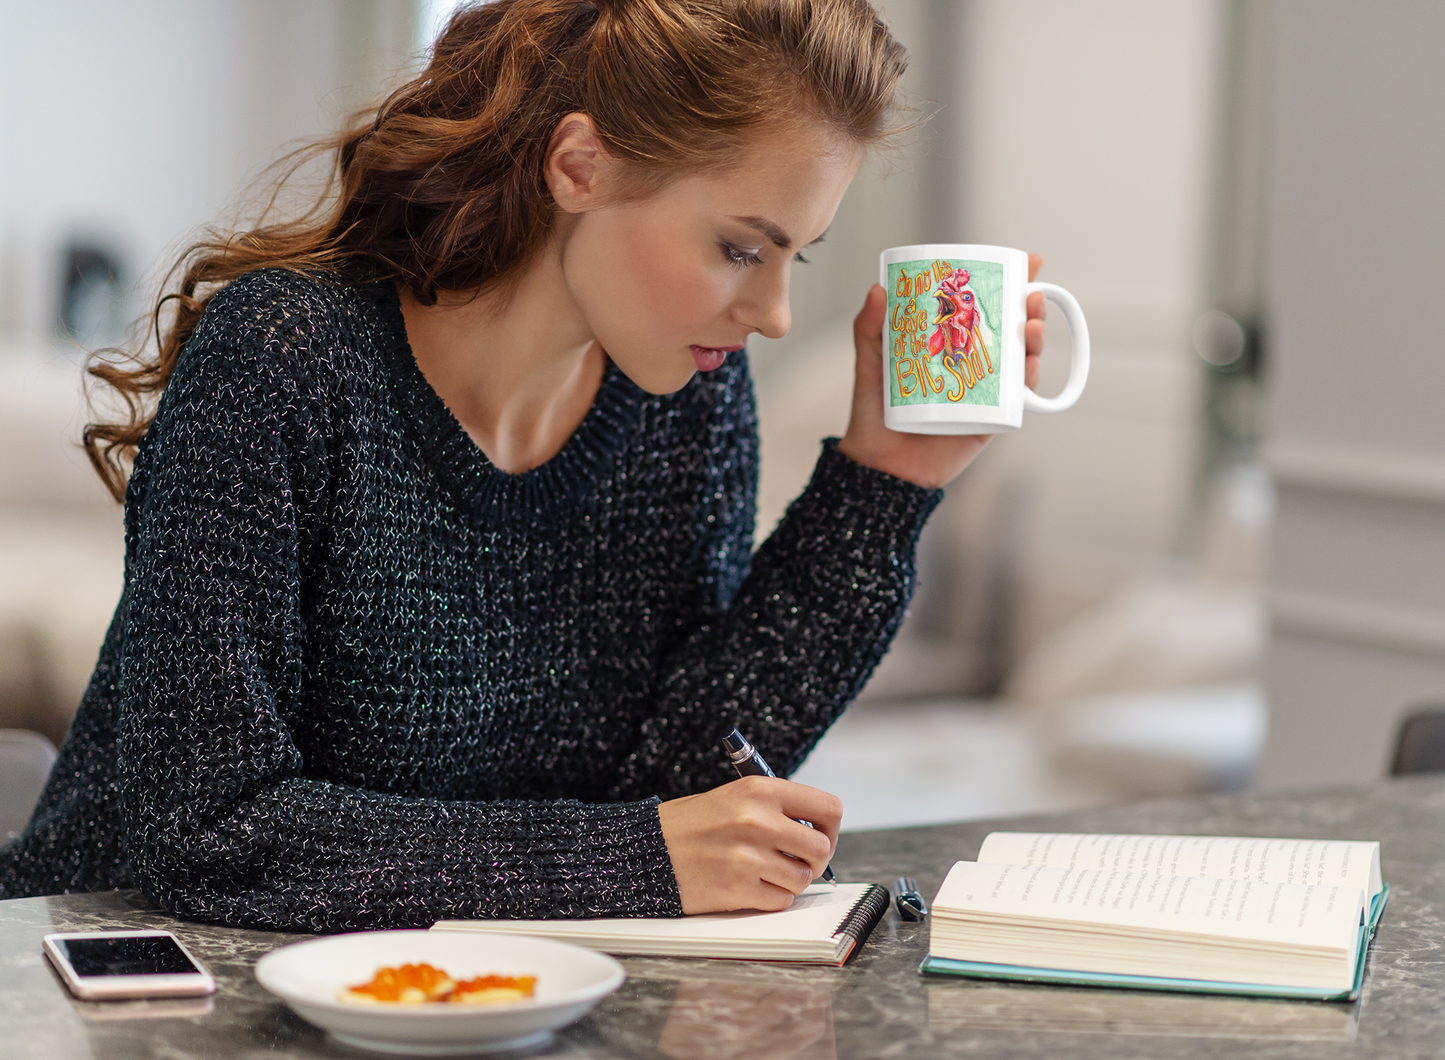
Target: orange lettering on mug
[
  {"x": 952, "y": 368},
  {"x": 974, "y": 360},
  {"x": 935, "y": 384},
  {"x": 905, "y": 387},
  {"x": 969, "y": 379}
]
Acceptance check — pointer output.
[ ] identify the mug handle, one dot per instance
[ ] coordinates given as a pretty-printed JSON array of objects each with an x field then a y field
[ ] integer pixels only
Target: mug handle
[{"x": 1079, "y": 367}]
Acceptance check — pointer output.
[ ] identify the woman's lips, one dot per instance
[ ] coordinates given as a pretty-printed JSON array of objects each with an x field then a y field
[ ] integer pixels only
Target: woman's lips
[{"x": 711, "y": 357}]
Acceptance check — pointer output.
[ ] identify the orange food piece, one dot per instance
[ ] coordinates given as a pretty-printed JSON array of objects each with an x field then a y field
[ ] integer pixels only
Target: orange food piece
[
  {"x": 394, "y": 984},
  {"x": 414, "y": 984},
  {"x": 523, "y": 984}
]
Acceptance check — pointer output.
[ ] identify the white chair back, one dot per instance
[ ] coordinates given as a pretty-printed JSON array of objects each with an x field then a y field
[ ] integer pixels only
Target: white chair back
[{"x": 25, "y": 761}]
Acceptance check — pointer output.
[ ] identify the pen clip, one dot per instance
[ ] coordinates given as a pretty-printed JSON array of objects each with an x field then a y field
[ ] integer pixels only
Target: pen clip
[{"x": 911, "y": 905}]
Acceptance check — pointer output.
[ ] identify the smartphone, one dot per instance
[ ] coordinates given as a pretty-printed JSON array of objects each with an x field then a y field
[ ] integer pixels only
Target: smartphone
[{"x": 99, "y": 965}]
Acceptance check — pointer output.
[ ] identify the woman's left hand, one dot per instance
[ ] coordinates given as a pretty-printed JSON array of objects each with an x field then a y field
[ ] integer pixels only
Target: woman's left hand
[{"x": 931, "y": 460}]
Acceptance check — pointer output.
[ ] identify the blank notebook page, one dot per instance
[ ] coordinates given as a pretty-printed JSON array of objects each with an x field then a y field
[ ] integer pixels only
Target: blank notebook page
[{"x": 809, "y": 928}]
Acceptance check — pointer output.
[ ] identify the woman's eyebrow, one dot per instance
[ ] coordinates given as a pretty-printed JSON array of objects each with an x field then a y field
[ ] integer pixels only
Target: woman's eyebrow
[{"x": 775, "y": 234}]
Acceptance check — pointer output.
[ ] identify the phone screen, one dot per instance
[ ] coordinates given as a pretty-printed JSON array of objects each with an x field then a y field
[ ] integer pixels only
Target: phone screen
[{"x": 147, "y": 955}]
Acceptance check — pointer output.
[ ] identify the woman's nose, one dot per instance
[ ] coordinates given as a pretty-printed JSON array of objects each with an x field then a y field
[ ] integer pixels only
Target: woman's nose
[{"x": 766, "y": 311}]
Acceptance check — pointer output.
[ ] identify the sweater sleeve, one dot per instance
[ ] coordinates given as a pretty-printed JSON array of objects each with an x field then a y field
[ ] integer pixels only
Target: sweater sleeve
[
  {"x": 218, "y": 816},
  {"x": 787, "y": 647}
]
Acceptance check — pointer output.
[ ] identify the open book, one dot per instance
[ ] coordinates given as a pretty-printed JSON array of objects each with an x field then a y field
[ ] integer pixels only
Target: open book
[
  {"x": 822, "y": 926},
  {"x": 1279, "y": 917}
]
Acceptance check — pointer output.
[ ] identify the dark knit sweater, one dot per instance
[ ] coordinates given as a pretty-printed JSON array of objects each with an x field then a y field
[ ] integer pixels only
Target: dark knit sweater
[{"x": 360, "y": 677}]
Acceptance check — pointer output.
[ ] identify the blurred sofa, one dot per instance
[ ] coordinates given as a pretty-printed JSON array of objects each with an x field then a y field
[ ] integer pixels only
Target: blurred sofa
[{"x": 61, "y": 543}]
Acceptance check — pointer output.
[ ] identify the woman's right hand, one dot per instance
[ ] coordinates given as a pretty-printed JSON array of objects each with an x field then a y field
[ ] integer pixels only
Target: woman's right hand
[{"x": 730, "y": 846}]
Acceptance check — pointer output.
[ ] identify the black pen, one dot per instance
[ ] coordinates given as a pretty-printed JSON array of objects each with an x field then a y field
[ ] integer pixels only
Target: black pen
[
  {"x": 746, "y": 760},
  {"x": 911, "y": 905}
]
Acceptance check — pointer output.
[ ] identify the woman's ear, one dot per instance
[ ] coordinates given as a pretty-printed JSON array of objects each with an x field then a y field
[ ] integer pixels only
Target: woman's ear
[{"x": 579, "y": 171}]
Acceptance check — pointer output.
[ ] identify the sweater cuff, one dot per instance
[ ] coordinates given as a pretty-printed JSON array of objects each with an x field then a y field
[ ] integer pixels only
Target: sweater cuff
[
  {"x": 860, "y": 505},
  {"x": 622, "y": 847}
]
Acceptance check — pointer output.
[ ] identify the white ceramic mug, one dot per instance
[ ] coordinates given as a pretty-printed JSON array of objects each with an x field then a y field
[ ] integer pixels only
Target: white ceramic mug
[{"x": 953, "y": 340}]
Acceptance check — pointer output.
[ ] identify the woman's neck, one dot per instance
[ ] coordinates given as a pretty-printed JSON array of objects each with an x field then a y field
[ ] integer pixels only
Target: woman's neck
[{"x": 518, "y": 369}]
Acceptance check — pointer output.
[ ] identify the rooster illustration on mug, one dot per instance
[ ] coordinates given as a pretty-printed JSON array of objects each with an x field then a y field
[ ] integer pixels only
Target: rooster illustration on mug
[{"x": 957, "y": 334}]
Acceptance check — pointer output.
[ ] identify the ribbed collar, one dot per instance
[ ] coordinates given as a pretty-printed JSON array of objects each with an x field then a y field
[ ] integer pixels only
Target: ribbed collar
[{"x": 481, "y": 486}]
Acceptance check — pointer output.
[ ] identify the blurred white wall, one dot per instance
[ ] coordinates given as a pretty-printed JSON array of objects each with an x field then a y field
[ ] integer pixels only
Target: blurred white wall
[
  {"x": 1083, "y": 132},
  {"x": 1087, "y": 131},
  {"x": 130, "y": 126},
  {"x": 137, "y": 123},
  {"x": 1357, "y": 438}
]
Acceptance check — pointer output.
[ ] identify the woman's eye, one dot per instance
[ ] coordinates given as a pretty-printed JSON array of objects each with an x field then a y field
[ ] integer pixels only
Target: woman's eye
[
  {"x": 738, "y": 257},
  {"x": 798, "y": 257}
]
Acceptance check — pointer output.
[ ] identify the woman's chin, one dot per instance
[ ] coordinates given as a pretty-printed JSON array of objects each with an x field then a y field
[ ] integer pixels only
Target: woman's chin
[{"x": 659, "y": 379}]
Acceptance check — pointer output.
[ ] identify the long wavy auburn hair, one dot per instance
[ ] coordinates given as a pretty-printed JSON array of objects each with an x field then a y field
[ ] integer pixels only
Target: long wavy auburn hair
[{"x": 441, "y": 187}]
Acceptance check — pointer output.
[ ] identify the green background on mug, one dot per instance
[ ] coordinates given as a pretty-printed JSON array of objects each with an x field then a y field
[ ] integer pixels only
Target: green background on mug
[{"x": 908, "y": 333}]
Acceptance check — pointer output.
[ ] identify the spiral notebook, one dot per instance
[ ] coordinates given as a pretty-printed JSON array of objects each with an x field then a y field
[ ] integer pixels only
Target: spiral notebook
[{"x": 824, "y": 925}]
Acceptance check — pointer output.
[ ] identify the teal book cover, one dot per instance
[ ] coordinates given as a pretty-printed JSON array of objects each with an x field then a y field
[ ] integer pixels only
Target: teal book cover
[{"x": 1060, "y": 976}]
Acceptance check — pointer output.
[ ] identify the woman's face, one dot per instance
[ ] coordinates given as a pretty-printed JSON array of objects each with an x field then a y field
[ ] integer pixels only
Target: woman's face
[{"x": 670, "y": 284}]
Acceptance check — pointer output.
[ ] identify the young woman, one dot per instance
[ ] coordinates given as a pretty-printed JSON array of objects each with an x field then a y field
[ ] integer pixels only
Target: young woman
[{"x": 439, "y": 579}]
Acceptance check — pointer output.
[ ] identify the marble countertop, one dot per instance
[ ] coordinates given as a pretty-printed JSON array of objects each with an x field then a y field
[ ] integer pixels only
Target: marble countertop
[{"x": 877, "y": 1006}]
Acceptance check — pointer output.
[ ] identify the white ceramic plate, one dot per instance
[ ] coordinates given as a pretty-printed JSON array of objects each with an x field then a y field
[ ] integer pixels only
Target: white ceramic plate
[{"x": 307, "y": 976}]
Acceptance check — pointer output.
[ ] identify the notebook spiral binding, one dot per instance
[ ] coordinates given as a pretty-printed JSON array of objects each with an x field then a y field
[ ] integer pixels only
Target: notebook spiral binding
[{"x": 865, "y": 914}]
